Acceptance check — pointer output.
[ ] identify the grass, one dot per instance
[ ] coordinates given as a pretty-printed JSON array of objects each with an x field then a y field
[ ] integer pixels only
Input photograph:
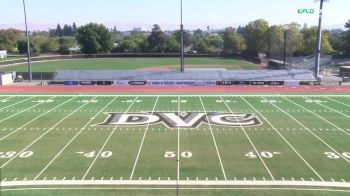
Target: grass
[
  {"x": 128, "y": 63},
  {"x": 301, "y": 138}
]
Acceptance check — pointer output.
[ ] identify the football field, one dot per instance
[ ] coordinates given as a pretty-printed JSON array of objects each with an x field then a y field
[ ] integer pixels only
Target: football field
[{"x": 175, "y": 144}]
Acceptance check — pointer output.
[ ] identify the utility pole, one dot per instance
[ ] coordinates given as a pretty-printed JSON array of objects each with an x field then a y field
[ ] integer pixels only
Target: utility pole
[
  {"x": 285, "y": 49},
  {"x": 28, "y": 45},
  {"x": 182, "y": 41}
]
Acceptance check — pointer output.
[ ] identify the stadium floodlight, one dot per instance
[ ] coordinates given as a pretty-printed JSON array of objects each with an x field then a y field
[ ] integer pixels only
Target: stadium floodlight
[
  {"x": 319, "y": 40},
  {"x": 286, "y": 28},
  {"x": 28, "y": 44},
  {"x": 182, "y": 41}
]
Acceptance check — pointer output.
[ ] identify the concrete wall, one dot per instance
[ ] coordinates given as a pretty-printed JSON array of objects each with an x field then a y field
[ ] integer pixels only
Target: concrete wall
[{"x": 6, "y": 79}]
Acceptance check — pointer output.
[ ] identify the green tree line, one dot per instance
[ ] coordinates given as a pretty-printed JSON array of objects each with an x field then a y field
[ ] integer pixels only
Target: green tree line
[{"x": 256, "y": 37}]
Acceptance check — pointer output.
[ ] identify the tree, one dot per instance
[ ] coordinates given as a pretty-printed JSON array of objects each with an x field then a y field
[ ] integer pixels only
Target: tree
[
  {"x": 34, "y": 47},
  {"x": 233, "y": 42},
  {"x": 309, "y": 41},
  {"x": 94, "y": 38},
  {"x": 156, "y": 39},
  {"x": 58, "y": 31},
  {"x": 74, "y": 28},
  {"x": 346, "y": 38},
  {"x": 255, "y": 34},
  {"x": 276, "y": 42},
  {"x": 187, "y": 38},
  {"x": 171, "y": 45},
  {"x": 9, "y": 39},
  {"x": 67, "y": 30},
  {"x": 65, "y": 44}
]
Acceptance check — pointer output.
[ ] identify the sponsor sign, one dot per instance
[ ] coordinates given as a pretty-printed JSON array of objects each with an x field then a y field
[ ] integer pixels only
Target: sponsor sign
[
  {"x": 182, "y": 119},
  {"x": 137, "y": 82},
  {"x": 86, "y": 83},
  {"x": 71, "y": 83},
  {"x": 104, "y": 83},
  {"x": 256, "y": 83},
  {"x": 121, "y": 82}
]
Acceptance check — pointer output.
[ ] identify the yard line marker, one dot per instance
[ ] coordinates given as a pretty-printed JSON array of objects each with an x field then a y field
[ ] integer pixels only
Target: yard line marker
[
  {"x": 42, "y": 135},
  {"x": 24, "y": 179},
  {"x": 23, "y": 111},
  {"x": 251, "y": 142},
  {"x": 17, "y": 103},
  {"x": 312, "y": 133},
  {"x": 340, "y": 129},
  {"x": 142, "y": 141},
  {"x": 76, "y": 135},
  {"x": 105, "y": 143},
  {"x": 17, "y": 129},
  {"x": 331, "y": 109},
  {"x": 337, "y": 101},
  {"x": 289, "y": 144},
  {"x": 343, "y": 180},
  {"x": 213, "y": 137},
  {"x": 14, "y": 179}
]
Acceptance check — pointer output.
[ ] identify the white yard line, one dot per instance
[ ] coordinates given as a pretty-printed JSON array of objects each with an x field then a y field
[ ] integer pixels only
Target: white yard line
[
  {"x": 312, "y": 133},
  {"x": 52, "y": 97},
  {"x": 37, "y": 139},
  {"x": 143, "y": 139},
  {"x": 178, "y": 143},
  {"x": 337, "y": 101},
  {"x": 290, "y": 145},
  {"x": 17, "y": 103},
  {"x": 173, "y": 183},
  {"x": 76, "y": 135},
  {"x": 334, "y": 125},
  {"x": 331, "y": 109},
  {"x": 17, "y": 129},
  {"x": 105, "y": 143},
  {"x": 250, "y": 141},
  {"x": 213, "y": 137}
]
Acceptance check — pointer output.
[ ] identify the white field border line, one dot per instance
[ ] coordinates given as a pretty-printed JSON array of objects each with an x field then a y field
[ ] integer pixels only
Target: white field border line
[
  {"x": 166, "y": 188},
  {"x": 327, "y": 121},
  {"x": 332, "y": 109},
  {"x": 173, "y": 183},
  {"x": 189, "y": 95},
  {"x": 105, "y": 143},
  {"x": 17, "y": 103},
  {"x": 337, "y": 101},
  {"x": 34, "y": 119},
  {"x": 142, "y": 141},
  {"x": 312, "y": 133},
  {"x": 52, "y": 97},
  {"x": 250, "y": 141},
  {"x": 75, "y": 136},
  {"x": 7, "y": 162},
  {"x": 213, "y": 137},
  {"x": 290, "y": 145}
]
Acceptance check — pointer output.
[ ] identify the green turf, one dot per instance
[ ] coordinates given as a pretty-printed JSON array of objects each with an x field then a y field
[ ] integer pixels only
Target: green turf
[
  {"x": 291, "y": 143},
  {"x": 129, "y": 63}
]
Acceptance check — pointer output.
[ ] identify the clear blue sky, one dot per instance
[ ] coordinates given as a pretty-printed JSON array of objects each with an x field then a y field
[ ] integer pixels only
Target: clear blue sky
[{"x": 128, "y": 13}]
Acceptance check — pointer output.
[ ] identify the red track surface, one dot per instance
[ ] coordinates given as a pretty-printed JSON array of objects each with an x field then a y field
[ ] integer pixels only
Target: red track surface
[{"x": 158, "y": 89}]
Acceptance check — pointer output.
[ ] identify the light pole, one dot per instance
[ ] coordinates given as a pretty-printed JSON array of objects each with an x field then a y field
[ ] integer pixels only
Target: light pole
[
  {"x": 285, "y": 49},
  {"x": 318, "y": 42},
  {"x": 28, "y": 45},
  {"x": 182, "y": 42}
]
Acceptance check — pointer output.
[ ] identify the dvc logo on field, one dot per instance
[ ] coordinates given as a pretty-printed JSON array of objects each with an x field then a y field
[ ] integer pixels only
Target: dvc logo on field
[
  {"x": 306, "y": 11},
  {"x": 182, "y": 119}
]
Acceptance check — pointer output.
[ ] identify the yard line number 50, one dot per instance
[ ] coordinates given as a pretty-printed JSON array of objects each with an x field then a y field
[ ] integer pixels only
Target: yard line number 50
[{"x": 172, "y": 154}]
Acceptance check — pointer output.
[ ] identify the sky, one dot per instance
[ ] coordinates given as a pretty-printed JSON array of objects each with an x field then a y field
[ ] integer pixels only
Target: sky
[{"x": 126, "y": 14}]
